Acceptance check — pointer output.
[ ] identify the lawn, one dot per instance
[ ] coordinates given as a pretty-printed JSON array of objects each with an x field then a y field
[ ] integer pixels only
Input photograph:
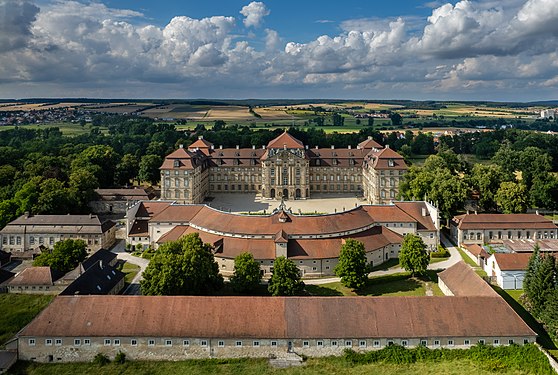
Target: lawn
[
  {"x": 17, "y": 310},
  {"x": 520, "y": 360},
  {"x": 131, "y": 270},
  {"x": 400, "y": 284},
  {"x": 467, "y": 258}
]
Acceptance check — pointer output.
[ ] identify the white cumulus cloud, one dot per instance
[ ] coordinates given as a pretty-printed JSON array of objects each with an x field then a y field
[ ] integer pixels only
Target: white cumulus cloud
[{"x": 254, "y": 13}]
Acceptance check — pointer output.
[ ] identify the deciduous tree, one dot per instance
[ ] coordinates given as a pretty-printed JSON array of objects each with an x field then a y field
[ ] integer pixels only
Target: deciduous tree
[
  {"x": 247, "y": 275},
  {"x": 413, "y": 256},
  {"x": 352, "y": 267},
  {"x": 149, "y": 169},
  {"x": 65, "y": 255},
  {"x": 285, "y": 280},
  {"x": 511, "y": 197}
]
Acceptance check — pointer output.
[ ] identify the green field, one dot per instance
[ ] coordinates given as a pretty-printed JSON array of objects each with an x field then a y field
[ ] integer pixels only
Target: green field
[
  {"x": 131, "y": 270},
  {"x": 400, "y": 284},
  {"x": 16, "y": 310},
  {"x": 67, "y": 128}
]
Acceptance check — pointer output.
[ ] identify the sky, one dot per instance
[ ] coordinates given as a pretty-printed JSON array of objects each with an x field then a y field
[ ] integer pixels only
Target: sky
[{"x": 230, "y": 49}]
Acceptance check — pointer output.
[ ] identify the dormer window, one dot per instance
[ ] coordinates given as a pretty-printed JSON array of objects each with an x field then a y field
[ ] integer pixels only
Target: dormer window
[
  {"x": 391, "y": 163},
  {"x": 351, "y": 161},
  {"x": 335, "y": 161},
  {"x": 176, "y": 163},
  {"x": 317, "y": 161}
]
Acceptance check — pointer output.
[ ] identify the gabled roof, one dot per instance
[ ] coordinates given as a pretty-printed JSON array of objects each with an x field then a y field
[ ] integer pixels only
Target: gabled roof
[
  {"x": 387, "y": 159},
  {"x": 99, "y": 278},
  {"x": 504, "y": 221},
  {"x": 34, "y": 276},
  {"x": 150, "y": 209},
  {"x": 281, "y": 237},
  {"x": 369, "y": 144},
  {"x": 512, "y": 261},
  {"x": 201, "y": 144},
  {"x": 100, "y": 255},
  {"x": 277, "y": 317},
  {"x": 285, "y": 140},
  {"x": 461, "y": 280}
]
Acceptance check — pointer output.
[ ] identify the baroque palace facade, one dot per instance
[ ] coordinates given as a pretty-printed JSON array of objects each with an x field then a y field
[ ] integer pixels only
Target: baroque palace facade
[{"x": 284, "y": 169}]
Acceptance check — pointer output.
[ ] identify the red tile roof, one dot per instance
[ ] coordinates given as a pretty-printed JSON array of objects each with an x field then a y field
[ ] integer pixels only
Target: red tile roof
[
  {"x": 461, "y": 280},
  {"x": 503, "y": 221},
  {"x": 512, "y": 261},
  {"x": 33, "y": 276},
  {"x": 476, "y": 250},
  {"x": 285, "y": 140},
  {"x": 277, "y": 317},
  {"x": 201, "y": 144},
  {"x": 370, "y": 143},
  {"x": 386, "y": 159}
]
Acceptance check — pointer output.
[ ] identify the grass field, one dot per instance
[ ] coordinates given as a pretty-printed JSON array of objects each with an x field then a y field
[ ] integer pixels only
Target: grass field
[
  {"x": 67, "y": 128},
  {"x": 131, "y": 270},
  {"x": 400, "y": 284},
  {"x": 16, "y": 310},
  {"x": 252, "y": 367}
]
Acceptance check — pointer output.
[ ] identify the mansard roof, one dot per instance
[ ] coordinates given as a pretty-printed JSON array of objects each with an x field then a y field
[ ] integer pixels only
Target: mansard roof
[
  {"x": 369, "y": 144},
  {"x": 201, "y": 144},
  {"x": 285, "y": 140}
]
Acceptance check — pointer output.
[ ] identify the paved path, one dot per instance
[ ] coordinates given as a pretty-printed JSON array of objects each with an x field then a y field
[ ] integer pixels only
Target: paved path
[
  {"x": 119, "y": 250},
  {"x": 454, "y": 258}
]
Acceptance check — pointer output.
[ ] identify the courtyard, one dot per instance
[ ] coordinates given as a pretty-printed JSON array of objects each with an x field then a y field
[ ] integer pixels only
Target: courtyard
[{"x": 256, "y": 204}]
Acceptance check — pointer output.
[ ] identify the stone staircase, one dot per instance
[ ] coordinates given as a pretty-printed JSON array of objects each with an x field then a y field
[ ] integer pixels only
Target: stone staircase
[{"x": 290, "y": 360}]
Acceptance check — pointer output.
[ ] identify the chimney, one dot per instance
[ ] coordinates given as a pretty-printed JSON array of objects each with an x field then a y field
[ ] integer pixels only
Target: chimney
[
  {"x": 181, "y": 146},
  {"x": 349, "y": 147},
  {"x": 536, "y": 212},
  {"x": 237, "y": 147},
  {"x": 332, "y": 147},
  {"x": 91, "y": 216},
  {"x": 369, "y": 137},
  {"x": 220, "y": 147},
  {"x": 387, "y": 146},
  {"x": 284, "y": 146},
  {"x": 26, "y": 214},
  {"x": 316, "y": 147},
  {"x": 253, "y": 147},
  {"x": 263, "y": 147},
  {"x": 200, "y": 137},
  {"x": 306, "y": 147},
  {"x": 475, "y": 212},
  {"x": 212, "y": 147},
  {"x": 467, "y": 212}
]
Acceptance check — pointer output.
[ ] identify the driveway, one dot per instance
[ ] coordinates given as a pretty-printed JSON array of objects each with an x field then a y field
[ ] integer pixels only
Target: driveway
[
  {"x": 453, "y": 259},
  {"x": 119, "y": 250}
]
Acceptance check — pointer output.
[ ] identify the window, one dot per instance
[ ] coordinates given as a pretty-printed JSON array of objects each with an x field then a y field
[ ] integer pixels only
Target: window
[
  {"x": 319, "y": 344},
  {"x": 238, "y": 343},
  {"x": 31, "y": 240},
  {"x": 424, "y": 342},
  {"x": 256, "y": 344},
  {"x": 481, "y": 341},
  {"x": 58, "y": 342},
  {"x": 86, "y": 342},
  {"x": 496, "y": 342},
  {"x": 117, "y": 342},
  {"x": 404, "y": 342},
  {"x": 18, "y": 240},
  {"x": 390, "y": 342},
  {"x": 274, "y": 343},
  {"x": 107, "y": 342},
  {"x": 450, "y": 343},
  {"x": 134, "y": 342},
  {"x": 48, "y": 342},
  {"x": 150, "y": 342},
  {"x": 221, "y": 344},
  {"x": 77, "y": 342},
  {"x": 186, "y": 343},
  {"x": 525, "y": 341},
  {"x": 362, "y": 343},
  {"x": 376, "y": 343},
  {"x": 510, "y": 342},
  {"x": 168, "y": 342},
  {"x": 348, "y": 343},
  {"x": 334, "y": 343},
  {"x": 467, "y": 342},
  {"x": 203, "y": 343},
  {"x": 31, "y": 342},
  {"x": 436, "y": 342},
  {"x": 305, "y": 344}
]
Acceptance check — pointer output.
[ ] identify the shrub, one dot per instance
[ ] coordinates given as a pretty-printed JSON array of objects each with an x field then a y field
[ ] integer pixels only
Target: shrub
[
  {"x": 442, "y": 252},
  {"x": 120, "y": 358},
  {"x": 101, "y": 359}
]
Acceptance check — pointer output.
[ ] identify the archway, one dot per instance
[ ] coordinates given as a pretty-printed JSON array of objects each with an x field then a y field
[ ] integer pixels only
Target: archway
[
  {"x": 285, "y": 194},
  {"x": 272, "y": 193},
  {"x": 297, "y": 193}
]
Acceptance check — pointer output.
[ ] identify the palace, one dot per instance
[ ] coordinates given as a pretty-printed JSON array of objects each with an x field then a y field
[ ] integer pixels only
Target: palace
[{"x": 285, "y": 169}]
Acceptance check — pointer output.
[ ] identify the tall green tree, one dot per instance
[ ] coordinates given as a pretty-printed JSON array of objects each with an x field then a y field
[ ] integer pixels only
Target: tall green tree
[
  {"x": 486, "y": 179},
  {"x": 532, "y": 272},
  {"x": 183, "y": 267},
  {"x": 413, "y": 256},
  {"x": 247, "y": 275},
  {"x": 149, "y": 169},
  {"x": 352, "y": 267},
  {"x": 549, "y": 315},
  {"x": 65, "y": 255},
  {"x": 543, "y": 285},
  {"x": 285, "y": 280},
  {"x": 511, "y": 197},
  {"x": 127, "y": 169}
]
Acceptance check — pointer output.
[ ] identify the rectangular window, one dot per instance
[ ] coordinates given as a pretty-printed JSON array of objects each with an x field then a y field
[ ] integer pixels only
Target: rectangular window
[
  {"x": 496, "y": 342},
  {"x": 58, "y": 342},
  {"x": 186, "y": 343},
  {"x": 450, "y": 342},
  {"x": 424, "y": 342},
  {"x": 18, "y": 240},
  {"x": 77, "y": 342},
  {"x": 168, "y": 342},
  {"x": 390, "y": 342},
  {"x": 348, "y": 343},
  {"x": 238, "y": 343},
  {"x": 334, "y": 343},
  {"x": 134, "y": 342},
  {"x": 319, "y": 344},
  {"x": 31, "y": 240},
  {"x": 404, "y": 342},
  {"x": 305, "y": 344},
  {"x": 510, "y": 342},
  {"x": 436, "y": 342},
  {"x": 376, "y": 343},
  {"x": 256, "y": 344},
  {"x": 31, "y": 342},
  {"x": 362, "y": 344},
  {"x": 221, "y": 344},
  {"x": 525, "y": 341},
  {"x": 150, "y": 342},
  {"x": 274, "y": 343},
  {"x": 51, "y": 241},
  {"x": 107, "y": 342},
  {"x": 467, "y": 342},
  {"x": 481, "y": 341},
  {"x": 86, "y": 342},
  {"x": 48, "y": 342},
  {"x": 117, "y": 342},
  {"x": 203, "y": 343}
]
